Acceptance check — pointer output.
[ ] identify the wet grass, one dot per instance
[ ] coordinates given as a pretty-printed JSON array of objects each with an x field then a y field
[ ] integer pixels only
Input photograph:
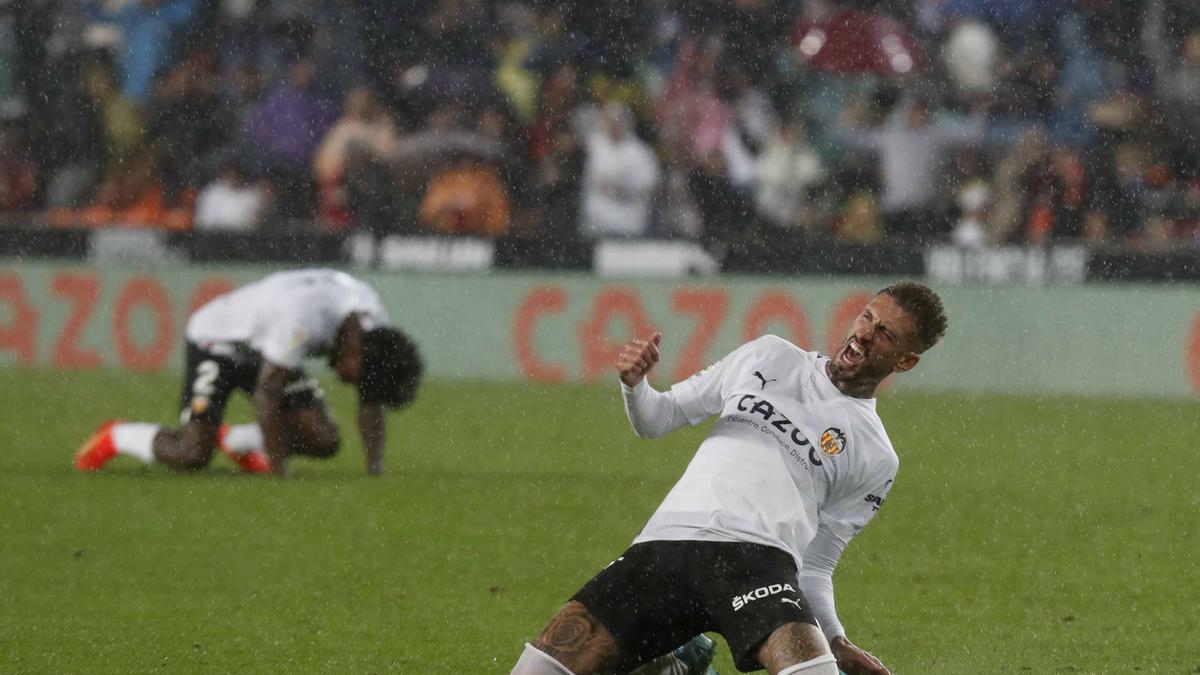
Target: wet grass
[{"x": 1023, "y": 535}]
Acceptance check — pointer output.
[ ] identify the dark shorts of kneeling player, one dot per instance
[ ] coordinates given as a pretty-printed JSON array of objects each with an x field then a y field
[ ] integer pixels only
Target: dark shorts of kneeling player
[
  {"x": 659, "y": 594},
  {"x": 213, "y": 374}
]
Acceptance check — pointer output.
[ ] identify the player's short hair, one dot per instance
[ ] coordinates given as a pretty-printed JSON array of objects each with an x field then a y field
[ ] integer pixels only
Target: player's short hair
[
  {"x": 392, "y": 368},
  {"x": 925, "y": 307}
]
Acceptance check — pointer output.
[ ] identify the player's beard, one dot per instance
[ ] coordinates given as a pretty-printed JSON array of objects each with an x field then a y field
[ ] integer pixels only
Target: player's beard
[{"x": 856, "y": 372}]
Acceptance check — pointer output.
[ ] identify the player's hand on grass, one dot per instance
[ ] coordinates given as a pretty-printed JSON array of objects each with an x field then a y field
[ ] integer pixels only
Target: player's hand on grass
[
  {"x": 637, "y": 358},
  {"x": 854, "y": 661},
  {"x": 280, "y": 468}
]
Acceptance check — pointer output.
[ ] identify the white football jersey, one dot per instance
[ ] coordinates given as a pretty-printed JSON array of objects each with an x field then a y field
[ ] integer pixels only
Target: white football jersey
[
  {"x": 288, "y": 316},
  {"x": 790, "y": 452}
]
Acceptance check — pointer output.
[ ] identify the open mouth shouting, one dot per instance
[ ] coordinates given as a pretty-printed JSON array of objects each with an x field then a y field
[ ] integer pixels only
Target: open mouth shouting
[{"x": 853, "y": 353}]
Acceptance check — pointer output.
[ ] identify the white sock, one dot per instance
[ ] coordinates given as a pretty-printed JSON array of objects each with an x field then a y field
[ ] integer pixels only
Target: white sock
[
  {"x": 822, "y": 665},
  {"x": 667, "y": 664},
  {"x": 135, "y": 439},
  {"x": 534, "y": 661},
  {"x": 243, "y": 438}
]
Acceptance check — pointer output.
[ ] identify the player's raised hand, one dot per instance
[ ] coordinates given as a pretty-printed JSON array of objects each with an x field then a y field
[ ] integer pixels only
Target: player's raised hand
[
  {"x": 637, "y": 358},
  {"x": 855, "y": 661}
]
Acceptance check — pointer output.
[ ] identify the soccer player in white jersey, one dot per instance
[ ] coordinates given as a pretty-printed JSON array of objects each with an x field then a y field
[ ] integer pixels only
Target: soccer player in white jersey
[
  {"x": 256, "y": 339},
  {"x": 746, "y": 542}
]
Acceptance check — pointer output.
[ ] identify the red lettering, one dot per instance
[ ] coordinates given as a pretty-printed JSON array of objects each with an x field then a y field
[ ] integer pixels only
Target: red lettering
[
  {"x": 206, "y": 290},
  {"x": 539, "y": 301},
  {"x": 1194, "y": 353},
  {"x": 143, "y": 291},
  {"x": 710, "y": 306},
  {"x": 81, "y": 290},
  {"x": 774, "y": 306},
  {"x": 842, "y": 317},
  {"x": 600, "y": 353},
  {"x": 20, "y": 335}
]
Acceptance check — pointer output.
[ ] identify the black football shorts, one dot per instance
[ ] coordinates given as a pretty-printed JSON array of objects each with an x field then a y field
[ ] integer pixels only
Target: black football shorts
[
  {"x": 212, "y": 375},
  {"x": 659, "y": 594}
]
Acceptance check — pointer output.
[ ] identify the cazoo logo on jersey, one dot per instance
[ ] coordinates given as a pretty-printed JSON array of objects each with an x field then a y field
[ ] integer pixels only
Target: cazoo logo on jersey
[{"x": 740, "y": 601}]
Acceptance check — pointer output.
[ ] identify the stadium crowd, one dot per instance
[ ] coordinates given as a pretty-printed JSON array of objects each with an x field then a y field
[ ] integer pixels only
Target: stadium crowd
[{"x": 973, "y": 121}]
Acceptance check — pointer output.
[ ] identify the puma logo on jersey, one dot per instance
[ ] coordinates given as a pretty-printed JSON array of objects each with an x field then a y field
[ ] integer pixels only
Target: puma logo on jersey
[
  {"x": 740, "y": 601},
  {"x": 764, "y": 380},
  {"x": 794, "y": 602}
]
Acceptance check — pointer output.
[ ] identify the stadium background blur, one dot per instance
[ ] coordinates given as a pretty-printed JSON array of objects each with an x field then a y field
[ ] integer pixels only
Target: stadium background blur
[
  {"x": 530, "y": 183},
  {"x": 1024, "y": 121}
]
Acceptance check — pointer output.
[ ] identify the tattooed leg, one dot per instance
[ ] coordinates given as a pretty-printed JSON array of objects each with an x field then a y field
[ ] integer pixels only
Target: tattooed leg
[
  {"x": 577, "y": 640},
  {"x": 791, "y": 644}
]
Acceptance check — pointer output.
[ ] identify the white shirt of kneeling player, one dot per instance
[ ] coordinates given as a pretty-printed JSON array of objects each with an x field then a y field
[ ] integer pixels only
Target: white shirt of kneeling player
[{"x": 287, "y": 316}]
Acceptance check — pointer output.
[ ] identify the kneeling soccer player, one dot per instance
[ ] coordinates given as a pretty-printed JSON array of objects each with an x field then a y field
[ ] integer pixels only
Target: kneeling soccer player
[
  {"x": 256, "y": 338},
  {"x": 746, "y": 542}
]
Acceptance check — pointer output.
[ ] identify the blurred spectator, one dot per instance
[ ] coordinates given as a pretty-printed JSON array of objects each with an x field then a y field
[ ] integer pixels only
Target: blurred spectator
[
  {"x": 555, "y": 152},
  {"x": 11, "y": 94},
  {"x": 362, "y": 139},
  {"x": 287, "y": 123},
  {"x": 971, "y": 229},
  {"x": 970, "y": 53},
  {"x": 691, "y": 115},
  {"x": 1157, "y": 233},
  {"x": 1055, "y": 193},
  {"x": 859, "y": 222},
  {"x": 620, "y": 175},
  {"x": 560, "y": 96},
  {"x": 148, "y": 28},
  {"x": 911, "y": 149},
  {"x": 452, "y": 33},
  {"x": 466, "y": 198},
  {"x": 1009, "y": 206},
  {"x": 131, "y": 196},
  {"x": 121, "y": 123},
  {"x": 240, "y": 90},
  {"x": 189, "y": 122},
  {"x": 1177, "y": 83},
  {"x": 726, "y": 212},
  {"x": 787, "y": 169},
  {"x": 18, "y": 174},
  {"x": 282, "y": 131},
  {"x": 231, "y": 203},
  {"x": 68, "y": 137},
  {"x": 499, "y": 128}
]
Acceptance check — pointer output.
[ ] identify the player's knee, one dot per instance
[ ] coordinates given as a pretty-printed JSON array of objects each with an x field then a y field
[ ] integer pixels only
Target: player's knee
[
  {"x": 796, "y": 647},
  {"x": 822, "y": 665},
  {"x": 534, "y": 661},
  {"x": 194, "y": 462},
  {"x": 197, "y": 443},
  {"x": 326, "y": 447},
  {"x": 322, "y": 442}
]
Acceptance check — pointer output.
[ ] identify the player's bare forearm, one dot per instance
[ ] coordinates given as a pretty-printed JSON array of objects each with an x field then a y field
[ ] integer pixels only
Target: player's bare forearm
[
  {"x": 268, "y": 408},
  {"x": 637, "y": 358},
  {"x": 372, "y": 426},
  {"x": 270, "y": 419},
  {"x": 853, "y": 660}
]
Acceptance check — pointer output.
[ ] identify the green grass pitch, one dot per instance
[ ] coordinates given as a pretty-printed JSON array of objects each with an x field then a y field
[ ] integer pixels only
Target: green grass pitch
[{"x": 1023, "y": 535}]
